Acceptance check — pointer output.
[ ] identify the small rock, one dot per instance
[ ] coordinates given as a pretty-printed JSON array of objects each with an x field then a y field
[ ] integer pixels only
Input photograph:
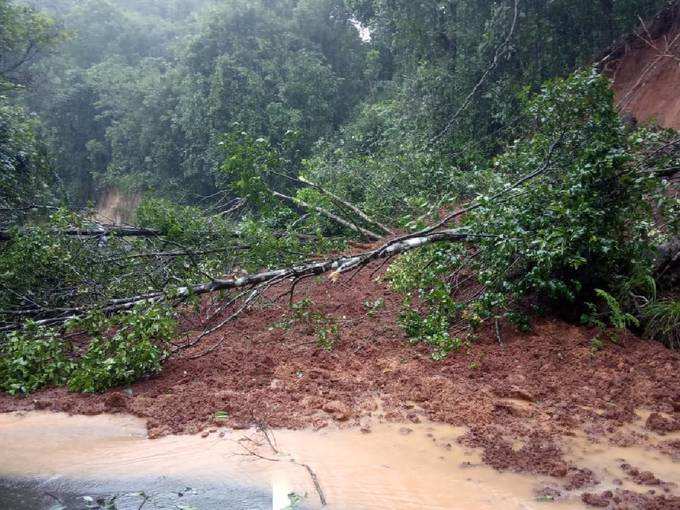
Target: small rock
[
  {"x": 405, "y": 431},
  {"x": 115, "y": 401},
  {"x": 597, "y": 500},
  {"x": 41, "y": 404},
  {"x": 521, "y": 394},
  {"x": 337, "y": 410},
  {"x": 413, "y": 417},
  {"x": 320, "y": 424},
  {"x": 205, "y": 434},
  {"x": 660, "y": 424}
]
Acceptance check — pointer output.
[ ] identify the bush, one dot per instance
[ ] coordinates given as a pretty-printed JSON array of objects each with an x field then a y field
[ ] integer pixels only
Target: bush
[
  {"x": 579, "y": 225},
  {"x": 135, "y": 349},
  {"x": 122, "y": 349},
  {"x": 33, "y": 358},
  {"x": 578, "y": 231}
]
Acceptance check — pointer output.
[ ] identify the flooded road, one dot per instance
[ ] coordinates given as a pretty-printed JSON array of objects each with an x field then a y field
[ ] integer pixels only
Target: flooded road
[{"x": 56, "y": 461}]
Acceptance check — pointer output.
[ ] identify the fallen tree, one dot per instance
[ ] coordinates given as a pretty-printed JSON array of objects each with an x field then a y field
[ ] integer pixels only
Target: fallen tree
[
  {"x": 336, "y": 265},
  {"x": 96, "y": 231},
  {"x": 562, "y": 223}
]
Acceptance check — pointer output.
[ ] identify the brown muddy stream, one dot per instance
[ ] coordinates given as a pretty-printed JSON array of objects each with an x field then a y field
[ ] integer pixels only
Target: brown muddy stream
[{"x": 392, "y": 467}]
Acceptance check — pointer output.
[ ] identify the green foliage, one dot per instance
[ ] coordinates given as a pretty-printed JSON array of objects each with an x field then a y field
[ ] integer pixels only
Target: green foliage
[
  {"x": 611, "y": 315},
  {"x": 118, "y": 350},
  {"x": 35, "y": 263},
  {"x": 579, "y": 230},
  {"x": 438, "y": 51},
  {"x": 33, "y": 358},
  {"x": 247, "y": 167},
  {"x": 421, "y": 278},
  {"x": 663, "y": 321},
  {"x": 582, "y": 222},
  {"x": 123, "y": 349},
  {"x": 150, "y": 89},
  {"x": 24, "y": 171},
  {"x": 186, "y": 225},
  {"x": 617, "y": 317},
  {"x": 24, "y": 35},
  {"x": 377, "y": 163}
]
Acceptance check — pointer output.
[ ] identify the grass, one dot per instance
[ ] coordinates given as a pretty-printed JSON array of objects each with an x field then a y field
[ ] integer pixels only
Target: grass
[{"x": 663, "y": 322}]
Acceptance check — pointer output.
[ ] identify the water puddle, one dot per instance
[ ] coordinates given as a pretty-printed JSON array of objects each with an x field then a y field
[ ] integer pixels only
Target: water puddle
[
  {"x": 394, "y": 466},
  {"x": 612, "y": 463}
]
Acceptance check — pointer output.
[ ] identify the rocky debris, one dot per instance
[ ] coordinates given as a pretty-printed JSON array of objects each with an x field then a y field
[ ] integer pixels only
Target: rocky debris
[
  {"x": 640, "y": 477},
  {"x": 39, "y": 405},
  {"x": 282, "y": 378},
  {"x": 597, "y": 500},
  {"x": 580, "y": 478},
  {"x": 365, "y": 425},
  {"x": 521, "y": 394},
  {"x": 115, "y": 402},
  {"x": 628, "y": 500},
  {"x": 660, "y": 424},
  {"x": 337, "y": 410},
  {"x": 548, "y": 494}
]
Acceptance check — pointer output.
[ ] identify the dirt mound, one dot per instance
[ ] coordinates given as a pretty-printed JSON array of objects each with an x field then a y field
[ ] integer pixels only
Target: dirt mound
[
  {"x": 645, "y": 69},
  {"x": 519, "y": 397}
]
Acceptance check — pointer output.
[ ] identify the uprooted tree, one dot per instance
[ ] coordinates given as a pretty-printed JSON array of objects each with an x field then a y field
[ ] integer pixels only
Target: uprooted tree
[{"x": 579, "y": 212}]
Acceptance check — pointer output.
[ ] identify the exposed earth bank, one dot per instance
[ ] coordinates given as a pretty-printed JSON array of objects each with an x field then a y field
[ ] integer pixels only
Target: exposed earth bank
[
  {"x": 645, "y": 69},
  {"x": 519, "y": 396}
]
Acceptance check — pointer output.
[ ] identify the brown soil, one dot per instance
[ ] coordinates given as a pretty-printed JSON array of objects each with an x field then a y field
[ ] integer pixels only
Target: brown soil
[
  {"x": 628, "y": 500},
  {"x": 518, "y": 397},
  {"x": 645, "y": 69}
]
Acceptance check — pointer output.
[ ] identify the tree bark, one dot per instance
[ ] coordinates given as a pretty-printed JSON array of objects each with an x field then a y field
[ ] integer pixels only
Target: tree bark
[
  {"x": 337, "y": 219},
  {"x": 337, "y": 265}
]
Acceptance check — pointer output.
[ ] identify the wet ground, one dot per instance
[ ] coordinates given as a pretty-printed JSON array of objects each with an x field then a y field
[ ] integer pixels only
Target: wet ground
[
  {"x": 55, "y": 493},
  {"x": 55, "y": 461}
]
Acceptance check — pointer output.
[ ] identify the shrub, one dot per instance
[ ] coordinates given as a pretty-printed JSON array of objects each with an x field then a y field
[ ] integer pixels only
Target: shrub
[
  {"x": 578, "y": 231},
  {"x": 663, "y": 322},
  {"x": 32, "y": 359},
  {"x": 134, "y": 350},
  {"x": 121, "y": 350}
]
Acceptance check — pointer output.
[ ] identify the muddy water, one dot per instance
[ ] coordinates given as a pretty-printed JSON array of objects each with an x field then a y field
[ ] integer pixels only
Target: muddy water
[{"x": 394, "y": 466}]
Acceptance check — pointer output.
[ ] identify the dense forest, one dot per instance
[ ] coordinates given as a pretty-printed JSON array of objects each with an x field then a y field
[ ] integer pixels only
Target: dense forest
[{"x": 472, "y": 147}]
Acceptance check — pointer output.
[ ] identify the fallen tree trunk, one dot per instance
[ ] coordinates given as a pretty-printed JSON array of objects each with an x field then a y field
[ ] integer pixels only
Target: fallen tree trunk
[
  {"x": 337, "y": 266},
  {"x": 101, "y": 231},
  {"x": 344, "y": 203},
  {"x": 337, "y": 219}
]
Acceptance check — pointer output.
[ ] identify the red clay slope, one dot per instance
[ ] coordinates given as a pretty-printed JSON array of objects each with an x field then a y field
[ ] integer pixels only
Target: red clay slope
[{"x": 645, "y": 68}]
